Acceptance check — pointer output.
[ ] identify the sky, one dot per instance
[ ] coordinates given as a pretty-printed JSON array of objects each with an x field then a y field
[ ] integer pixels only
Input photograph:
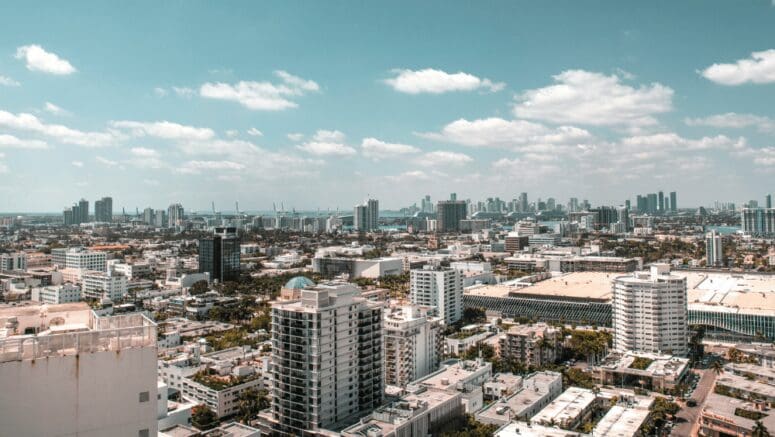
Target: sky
[{"x": 323, "y": 104}]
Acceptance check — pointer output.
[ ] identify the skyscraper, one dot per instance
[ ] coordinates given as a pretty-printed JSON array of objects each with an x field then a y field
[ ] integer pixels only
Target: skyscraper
[
  {"x": 148, "y": 216},
  {"x": 175, "y": 215},
  {"x": 326, "y": 359},
  {"x": 103, "y": 210},
  {"x": 523, "y": 202},
  {"x": 83, "y": 211},
  {"x": 219, "y": 255},
  {"x": 366, "y": 216},
  {"x": 673, "y": 201},
  {"x": 413, "y": 344},
  {"x": 714, "y": 249},
  {"x": 449, "y": 213},
  {"x": 651, "y": 203},
  {"x": 650, "y": 313},
  {"x": 768, "y": 201},
  {"x": 758, "y": 221},
  {"x": 661, "y": 196}
]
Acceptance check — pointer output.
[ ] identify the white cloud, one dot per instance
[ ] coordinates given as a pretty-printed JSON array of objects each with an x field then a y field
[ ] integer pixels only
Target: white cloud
[
  {"x": 164, "y": 129},
  {"x": 295, "y": 136},
  {"x": 296, "y": 81},
  {"x": 375, "y": 149},
  {"x": 105, "y": 161},
  {"x": 409, "y": 176},
  {"x": 231, "y": 133},
  {"x": 328, "y": 136},
  {"x": 195, "y": 167},
  {"x": 734, "y": 120},
  {"x": 583, "y": 97},
  {"x": 672, "y": 141},
  {"x": 443, "y": 158},
  {"x": 38, "y": 59},
  {"x": 12, "y": 142},
  {"x": 160, "y": 92},
  {"x": 759, "y": 68},
  {"x": 325, "y": 149},
  {"x": 498, "y": 132},
  {"x": 144, "y": 152},
  {"x": 255, "y": 132},
  {"x": 437, "y": 82},
  {"x": 54, "y": 109},
  {"x": 7, "y": 81},
  {"x": 235, "y": 148},
  {"x": 31, "y": 123},
  {"x": 261, "y": 96},
  {"x": 78, "y": 164},
  {"x": 184, "y": 92}
]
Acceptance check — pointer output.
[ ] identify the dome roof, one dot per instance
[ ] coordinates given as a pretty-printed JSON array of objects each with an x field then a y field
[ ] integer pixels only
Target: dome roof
[{"x": 299, "y": 282}]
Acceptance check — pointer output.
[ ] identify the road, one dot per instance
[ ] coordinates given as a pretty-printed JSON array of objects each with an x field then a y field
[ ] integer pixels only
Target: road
[{"x": 689, "y": 425}]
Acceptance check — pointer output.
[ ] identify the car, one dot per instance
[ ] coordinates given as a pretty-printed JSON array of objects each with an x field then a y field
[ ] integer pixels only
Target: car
[{"x": 691, "y": 403}]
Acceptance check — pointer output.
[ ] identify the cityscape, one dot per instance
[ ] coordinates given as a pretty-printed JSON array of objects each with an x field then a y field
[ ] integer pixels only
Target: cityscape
[{"x": 191, "y": 246}]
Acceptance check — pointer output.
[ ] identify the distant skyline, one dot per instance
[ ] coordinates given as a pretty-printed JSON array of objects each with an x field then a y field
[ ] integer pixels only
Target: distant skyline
[{"x": 319, "y": 105}]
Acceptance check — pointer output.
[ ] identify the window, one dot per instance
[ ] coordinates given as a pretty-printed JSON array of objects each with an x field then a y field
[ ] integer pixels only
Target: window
[{"x": 144, "y": 396}]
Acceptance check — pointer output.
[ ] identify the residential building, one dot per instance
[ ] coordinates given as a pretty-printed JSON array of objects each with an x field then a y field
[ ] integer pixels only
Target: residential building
[
  {"x": 354, "y": 268},
  {"x": 673, "y": 201},
  {"x": 10, "y": 262},
  {"x": 644, "y": 370},
  {"x": 650, "y": 312},
  {"x": 103, "y": 210},
  {"x": 80, "y": 373},
  {"x": 78, "y": 258},
  {"x": 531, "y": 345},
  {"x": 438, "y": 287},
  {"x": 714, "y": 249},
  {"x": 219, "y": 255},
  {"x": 366, "y": 216},
  {"x": 175, "y": 215},
  {"x": 449, "y": 213},
  {"x": 326, "y": 359},
  {"x": 758, "y": 221},
  {"x": 412, "y": 344},
  {"x": 534, "y": 393},
  {"x": 57, "y": 294},
  {"x": 98, "y": 285}
]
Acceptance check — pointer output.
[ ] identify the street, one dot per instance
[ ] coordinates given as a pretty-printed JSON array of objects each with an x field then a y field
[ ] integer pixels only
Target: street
[{"x": 688, "y": 416}]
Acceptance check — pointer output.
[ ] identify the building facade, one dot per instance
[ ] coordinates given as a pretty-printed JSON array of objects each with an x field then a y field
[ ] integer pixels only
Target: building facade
[
  {"x": 326, "y": 359},
  {"x": 650, "y": 312},
  {"x": 714, "y": 249},
  {"x": 219, "y": 255},
  {"x": 449, "y": 213},
  {"x": 441, "y": 288},
  {"x": 412, "y": 343}
]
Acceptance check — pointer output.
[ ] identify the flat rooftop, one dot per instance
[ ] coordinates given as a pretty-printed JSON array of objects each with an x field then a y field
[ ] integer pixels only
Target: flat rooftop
[
  {"x": 521, "y": 429},
  {"x": 451, "y": 375},
  {"x": 579, "y": 285},
  {"x": 734, "y": 293},
  {"x": 723, "y": 408},
  {"x": 568, "y": 406}
]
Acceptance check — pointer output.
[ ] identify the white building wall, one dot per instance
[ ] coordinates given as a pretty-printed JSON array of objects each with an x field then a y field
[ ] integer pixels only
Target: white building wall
[{"x": 89, "y": 395}]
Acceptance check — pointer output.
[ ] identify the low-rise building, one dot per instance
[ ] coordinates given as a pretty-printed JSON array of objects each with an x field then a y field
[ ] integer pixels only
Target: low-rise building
[
  {"x": 100, "y": 284},
  {"x": 531, "y": 345},
  {"x": 56, "y": 294},
  {"x": 650, "y": 371},
  {"x": 536, "y": 391},
  {"x": 572, "y": 408}
]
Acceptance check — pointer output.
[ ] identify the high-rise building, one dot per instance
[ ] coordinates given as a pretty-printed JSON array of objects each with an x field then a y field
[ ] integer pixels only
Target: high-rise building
[
  {"x": 83, "y": 210},
  {"x": 714, "y": 249},
  {"x": 413, "y": 344},
  {"x": 97, "y": 378},
  {"x": 673, "y": 201},
  {"x": 623, "y": 218},
  {"x": 438, "y": 287},
  {"x": 523, "y": 205},
  {"x": 326, "y": 359},
  {"x": 148, "y": 216},
  {"x": 160, "y": 218},
  {"x": 661, "y": 197},
  {"x": 426, "y": 205},
  {"x": 15, "y": 261},
  {"x": 650, "y": 313},
  {"x": 219, "y": 255},
  {"x": 573, "y": 204},
  {"x": 103, "y": 210},
  {"x": 758, "y": 221},
  {"x": 366, "y": 216},
  {"x": 449, "y": 213},
  {"x": 768, "y": 201},
  {"x": 651, "y": 203},
  {"x": 175, "y": 215}
]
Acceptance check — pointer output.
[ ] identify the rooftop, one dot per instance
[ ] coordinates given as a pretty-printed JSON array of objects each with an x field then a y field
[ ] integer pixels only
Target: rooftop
[
  {"x": 568, "y": 406},
  {"x": 722, "y": 408},
  {"x": 580, "y": 285},
  {"x": 734, "y": 293}
]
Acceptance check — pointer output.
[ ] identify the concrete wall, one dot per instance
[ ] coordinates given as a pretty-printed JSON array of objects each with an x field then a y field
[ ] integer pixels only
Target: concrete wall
[{"x": 95, "y": 394}]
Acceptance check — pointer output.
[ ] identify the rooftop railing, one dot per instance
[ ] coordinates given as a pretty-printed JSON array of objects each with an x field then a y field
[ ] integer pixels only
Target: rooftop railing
[{"x": 113, "y": 333}]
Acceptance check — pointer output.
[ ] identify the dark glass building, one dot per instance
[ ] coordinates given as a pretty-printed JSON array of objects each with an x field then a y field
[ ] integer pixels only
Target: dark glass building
[{"x": 219, "y": 255}]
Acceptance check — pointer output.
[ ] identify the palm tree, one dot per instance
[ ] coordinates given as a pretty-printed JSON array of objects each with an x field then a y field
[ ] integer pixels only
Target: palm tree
[
  {"x": 717, "y": 367},
  {"x": 759, "y": 430}
]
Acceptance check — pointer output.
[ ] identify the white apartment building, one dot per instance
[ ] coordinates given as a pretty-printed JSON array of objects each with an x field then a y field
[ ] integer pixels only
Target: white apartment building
[
  {"x": 79, "y": 258},
  {"x": 714, "y": 249},
  {"x": 441, "y": 288},
  {"x": 412, "y": 343},
  {"x": 65, "y": 371},
  {"x": 326, "y": 359},
  {"x": 56, "y": 294},
  {"x": 131, "y": 271},
  {"x": 13, "y": 262},
  {"x": 97, "y": 285},
  {"x": 649, "y": 312}
]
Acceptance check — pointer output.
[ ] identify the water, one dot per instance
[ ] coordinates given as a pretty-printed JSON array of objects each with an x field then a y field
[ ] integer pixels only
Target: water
[{"x": 723, "y": 230}]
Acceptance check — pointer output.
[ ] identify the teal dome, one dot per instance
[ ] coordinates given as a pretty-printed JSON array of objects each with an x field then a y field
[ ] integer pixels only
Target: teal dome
[{"x": 299, "y": 282}]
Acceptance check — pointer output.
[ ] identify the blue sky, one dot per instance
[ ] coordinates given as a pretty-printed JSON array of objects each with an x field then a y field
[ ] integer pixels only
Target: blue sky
[{"x": 319, "y": 104}]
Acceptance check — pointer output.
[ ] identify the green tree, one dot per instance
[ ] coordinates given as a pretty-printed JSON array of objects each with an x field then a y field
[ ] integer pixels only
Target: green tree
[
  {"x": 199, "y": 287},
  {"x": 251, "y": 402},
  {"x": 717, "y": 367},
  {"x": 759, "y": 430},
  {"x": 203, "y": 417}
]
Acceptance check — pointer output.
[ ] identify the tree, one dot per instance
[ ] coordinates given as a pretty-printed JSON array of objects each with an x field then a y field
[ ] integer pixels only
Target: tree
[
  {"x": 251, "y": 402},
  {"x": 717, "y": 367},
  {"x": 759, "y": 430},
  {"x": 203, "y": 417},
  {"x": 198, "y": 287}
]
